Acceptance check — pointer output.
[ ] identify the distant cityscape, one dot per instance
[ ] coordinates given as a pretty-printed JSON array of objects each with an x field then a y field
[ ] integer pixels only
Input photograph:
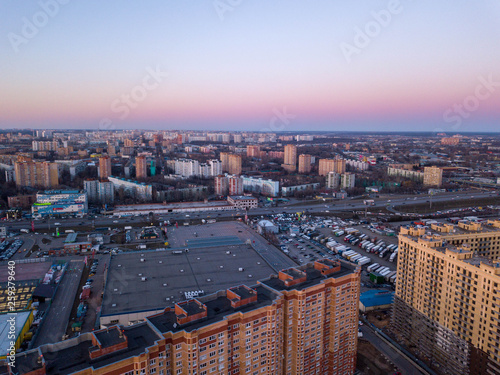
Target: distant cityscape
[
  {"x": 131, "y": 167},
  {"x": 187, "y": 252}
]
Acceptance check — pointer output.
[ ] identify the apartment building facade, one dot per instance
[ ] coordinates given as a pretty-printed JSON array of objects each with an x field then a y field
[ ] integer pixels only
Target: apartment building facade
[
  {"x": 300, "y": 322},
  {"x": 305, "y": 163},
  {"x": 336, "y": 165},
  {"x": 234, "y": 162},
  {"x": 36, "y": 174},
  {"x": 433, "y": 176},
  {"x": 447, "y": 302},
  {"x": 141, "y": 169},
  {"x": 290, "y": 158},
  {"x": 104, "y": 167}
]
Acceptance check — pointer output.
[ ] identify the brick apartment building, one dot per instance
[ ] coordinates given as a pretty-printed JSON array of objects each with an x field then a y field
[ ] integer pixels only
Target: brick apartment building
[{"x": 300, "y": 322}]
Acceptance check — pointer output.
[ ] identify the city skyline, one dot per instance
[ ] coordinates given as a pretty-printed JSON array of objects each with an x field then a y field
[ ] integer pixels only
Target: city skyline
[{"x": 275, "y": 66}]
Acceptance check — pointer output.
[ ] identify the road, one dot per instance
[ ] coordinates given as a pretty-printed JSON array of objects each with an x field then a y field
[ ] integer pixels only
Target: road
[
  {"x": 328, "y": 206},
  {"x": 402, "y": 363},
  {"x": 95, "y": 300},
  {"x": 55, "y": 323}
]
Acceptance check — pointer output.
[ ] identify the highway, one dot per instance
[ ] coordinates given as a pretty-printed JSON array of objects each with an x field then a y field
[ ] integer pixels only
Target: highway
[{"x": 315, "y": 207}]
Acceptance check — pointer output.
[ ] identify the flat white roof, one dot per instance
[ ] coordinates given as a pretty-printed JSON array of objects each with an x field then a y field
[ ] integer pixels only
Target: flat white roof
[{"x": 20, "y": 320}]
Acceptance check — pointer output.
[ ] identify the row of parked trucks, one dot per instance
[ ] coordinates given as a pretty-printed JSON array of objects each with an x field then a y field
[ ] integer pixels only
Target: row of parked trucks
[{"x": 377, "y": 247}]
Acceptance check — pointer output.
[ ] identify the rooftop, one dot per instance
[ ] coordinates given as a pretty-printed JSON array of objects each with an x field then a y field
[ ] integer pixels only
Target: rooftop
[
  {"x": 242, "y": 197},
  {"x": 84, "y": 351},
  {"x": 20, "y": 320},
  {"x": 378, "y": 297},
  {"x": 218, "y": 306},
  {"x": 76, "y": 358},
  {"x": 313, "y": 277},
  {"x": 169, "y": 275},
  {"x": 160, "y": 206}
]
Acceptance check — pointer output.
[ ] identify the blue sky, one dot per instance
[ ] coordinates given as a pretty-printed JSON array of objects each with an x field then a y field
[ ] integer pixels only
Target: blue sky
[{"x": 364, "y": 65}]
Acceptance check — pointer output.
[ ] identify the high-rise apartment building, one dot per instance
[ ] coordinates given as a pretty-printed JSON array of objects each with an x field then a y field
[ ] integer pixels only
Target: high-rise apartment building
[
  {"x": 99, "y": 191},
  {"x": 333, "y": 180},
  {"x": 224, "y": 159},
  {"x": 31, "y": 173},
  {"x": 141, "y": 166},
  {"x": 331, "y": 165},
  {"x": 290, "y": 158},
  {"x": 433, "y": 176},
  {"x": 304, "y": 163},
  {"x": 221, "y": 185},
  {"x": 235, "y": 185},
  {"x": 215, "y": 167},
  {"x": 234, "y": 164},
  {"x": 347, "y": 180},
  {"x": 447, "y": 302},
  {"x": 300, "y": 322},
  {"x": 128, "y": 143},
  {"x": 104, "y": 167},
  {"x": 44, "y": 145},
  {"x": 253, "y": 151}
]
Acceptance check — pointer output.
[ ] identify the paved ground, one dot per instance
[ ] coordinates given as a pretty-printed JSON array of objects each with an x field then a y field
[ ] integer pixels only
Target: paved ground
[
  {"x": 404, "y": 365},
  {"x": 55, "y": 323},
  {"x": 95, "y": 300}
]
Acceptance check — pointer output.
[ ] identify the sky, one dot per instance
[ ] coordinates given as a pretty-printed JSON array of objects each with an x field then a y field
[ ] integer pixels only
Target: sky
[{"x": 260, "y": 65}]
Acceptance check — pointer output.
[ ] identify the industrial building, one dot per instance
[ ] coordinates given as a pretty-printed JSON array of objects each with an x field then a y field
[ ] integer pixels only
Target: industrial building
[
  {"x": 447, "y": 295},
  {"x": 375, "y": 299},
  {"x": 128, "y": 298},
  {"x": 302, "y": 321},
  {"x": 243, "y": 202}
]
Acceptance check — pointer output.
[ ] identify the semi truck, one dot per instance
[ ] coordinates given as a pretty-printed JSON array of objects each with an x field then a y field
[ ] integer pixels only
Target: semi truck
[{"x": 372, "y": 267}]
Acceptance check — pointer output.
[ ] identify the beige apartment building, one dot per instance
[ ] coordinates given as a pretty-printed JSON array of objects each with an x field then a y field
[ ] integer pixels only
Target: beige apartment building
[
  {"x": 234, "y": 162},
  {"x": 336, "y": 165},
  {"x": 141, "y": 169},
  {"x": 224, "y": 160},
  {"x": 433, "y": 176},
  {"x": 447, "y": 302},
  {"x": 290, "y": 158},
  {"x": 253, "y": 151},
  {"x": 305, "y": 163},
  {"x": 36, "y": 174},
  {"x": 104, "y": 167},
  {"x": 302, "y": 321}
]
